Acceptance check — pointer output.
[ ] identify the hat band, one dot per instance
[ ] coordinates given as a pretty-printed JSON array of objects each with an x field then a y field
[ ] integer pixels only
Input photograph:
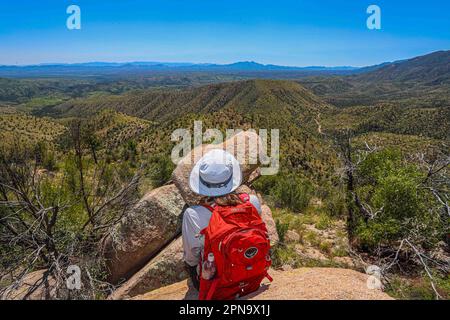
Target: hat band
[{"x": 215, "y": 185}]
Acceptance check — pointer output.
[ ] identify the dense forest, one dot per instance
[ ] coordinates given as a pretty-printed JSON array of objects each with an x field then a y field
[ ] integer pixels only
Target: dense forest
[{"x": 365, "y": 154}]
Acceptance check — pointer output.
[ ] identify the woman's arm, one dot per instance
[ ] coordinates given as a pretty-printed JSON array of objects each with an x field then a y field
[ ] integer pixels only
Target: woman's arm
[{"x": 194, "y": 220}]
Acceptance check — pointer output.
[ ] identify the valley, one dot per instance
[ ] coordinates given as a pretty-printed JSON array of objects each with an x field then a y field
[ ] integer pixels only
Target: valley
[{"x": 362, "y": 154}]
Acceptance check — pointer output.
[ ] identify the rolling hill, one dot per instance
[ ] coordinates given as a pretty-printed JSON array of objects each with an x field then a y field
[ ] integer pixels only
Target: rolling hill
[
  {"x": 430, "y": 69},
  {"x": 266, "y": 104},
  {"x": 258, "y": 97},
  {"x": 426, "y": 122},
  {"x": 422, "y": 82}
]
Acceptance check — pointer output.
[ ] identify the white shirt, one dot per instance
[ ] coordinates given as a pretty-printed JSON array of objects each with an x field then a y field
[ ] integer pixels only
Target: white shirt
[{"x": 195, "y": 219}]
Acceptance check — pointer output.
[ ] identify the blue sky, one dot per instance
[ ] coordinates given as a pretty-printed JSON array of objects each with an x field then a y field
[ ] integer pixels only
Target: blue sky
[{"x": 284, "y": 32}]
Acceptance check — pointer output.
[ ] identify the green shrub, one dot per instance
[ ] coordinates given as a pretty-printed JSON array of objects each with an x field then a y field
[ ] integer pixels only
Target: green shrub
[
  {"x": 266, "y": 183},
  {"x": 129, "y": 151},
  {"x": 160, "y": 170},
  {"x": 324, "y": 221},
  {"x": 392, "y": 188},
  {"x": 334, "y": 203},
  {"x": 282, "y": 228},
  {"x": 419, "y": 288},
  {"x": 292, "y": 192},
  {"x": 44, "y": 156}
]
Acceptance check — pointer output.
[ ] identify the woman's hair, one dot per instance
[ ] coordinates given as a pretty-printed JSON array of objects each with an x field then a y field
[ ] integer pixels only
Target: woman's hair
[{"x": 231, "y": 199}]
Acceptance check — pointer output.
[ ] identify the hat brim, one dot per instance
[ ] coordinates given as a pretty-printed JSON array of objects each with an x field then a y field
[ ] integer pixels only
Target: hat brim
[{"x": 198, "y": 187}]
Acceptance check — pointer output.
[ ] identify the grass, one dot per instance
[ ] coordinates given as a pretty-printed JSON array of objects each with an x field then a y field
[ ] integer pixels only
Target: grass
[
  {"x": 286, "y": 255},
  {"x": 317, "y": 231},
  {"x": 339, "y": 251},
  {"x": 323, "y": 221},
  {"x": 311, "y": 216},
  {"x": 418, "y": 288},
  {"x": 40, "y": 102}
]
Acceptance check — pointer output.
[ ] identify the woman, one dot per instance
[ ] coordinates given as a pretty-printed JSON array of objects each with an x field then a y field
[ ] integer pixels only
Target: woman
[{"x": 215, "y": 176}]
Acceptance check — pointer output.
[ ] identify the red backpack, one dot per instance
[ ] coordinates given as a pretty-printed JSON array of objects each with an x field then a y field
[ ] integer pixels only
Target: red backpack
[{"x": 238, "y": 238}]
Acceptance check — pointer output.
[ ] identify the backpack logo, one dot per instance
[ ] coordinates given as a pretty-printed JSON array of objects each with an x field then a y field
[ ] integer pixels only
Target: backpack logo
[{"x": 250, "y": 252}]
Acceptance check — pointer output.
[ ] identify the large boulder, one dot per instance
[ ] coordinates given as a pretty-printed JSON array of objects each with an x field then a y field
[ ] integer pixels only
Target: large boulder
[
  {"x": 143, "y": 232},
  {"x": 246, "y": 146},
  {"x": 166, "y": 268}
]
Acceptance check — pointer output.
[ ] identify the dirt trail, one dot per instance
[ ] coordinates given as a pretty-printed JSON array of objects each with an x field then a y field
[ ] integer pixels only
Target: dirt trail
[
  {"x": 319, "y": 126},
  {"x": 297, "y": 284}
]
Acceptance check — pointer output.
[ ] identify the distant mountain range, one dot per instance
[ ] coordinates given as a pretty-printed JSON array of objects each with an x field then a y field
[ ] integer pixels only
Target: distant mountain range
[
  {"x": 241, "y": 65},
  {"x": 139, "y": 67},
  {"x": 428, "y": 65}
]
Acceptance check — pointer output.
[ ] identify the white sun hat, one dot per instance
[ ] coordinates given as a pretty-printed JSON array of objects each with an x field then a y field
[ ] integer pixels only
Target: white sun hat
[{"x": 217, "y": 173}]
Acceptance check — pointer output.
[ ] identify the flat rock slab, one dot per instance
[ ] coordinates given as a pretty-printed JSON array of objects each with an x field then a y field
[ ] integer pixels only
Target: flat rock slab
[{"x": 297, "y": 284}]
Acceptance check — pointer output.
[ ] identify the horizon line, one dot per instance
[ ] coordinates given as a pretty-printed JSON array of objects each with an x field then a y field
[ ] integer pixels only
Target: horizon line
[
  {"x": 187, "y": 64},
  {"x": 44, "y": 64}
]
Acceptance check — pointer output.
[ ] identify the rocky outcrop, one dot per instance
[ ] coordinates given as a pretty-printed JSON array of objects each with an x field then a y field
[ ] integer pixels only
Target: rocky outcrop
[
  {"x": 142, "y": 249},
  {"x": 143, "y": 232},
  {"x": 243, "y": 145},
  {"x": 296, "y": 284},
  {"x": 166, "y": 268}
]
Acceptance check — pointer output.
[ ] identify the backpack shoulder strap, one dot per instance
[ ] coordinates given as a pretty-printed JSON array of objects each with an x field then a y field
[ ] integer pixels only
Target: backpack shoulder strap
[{"x": 210, "y": 208}]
